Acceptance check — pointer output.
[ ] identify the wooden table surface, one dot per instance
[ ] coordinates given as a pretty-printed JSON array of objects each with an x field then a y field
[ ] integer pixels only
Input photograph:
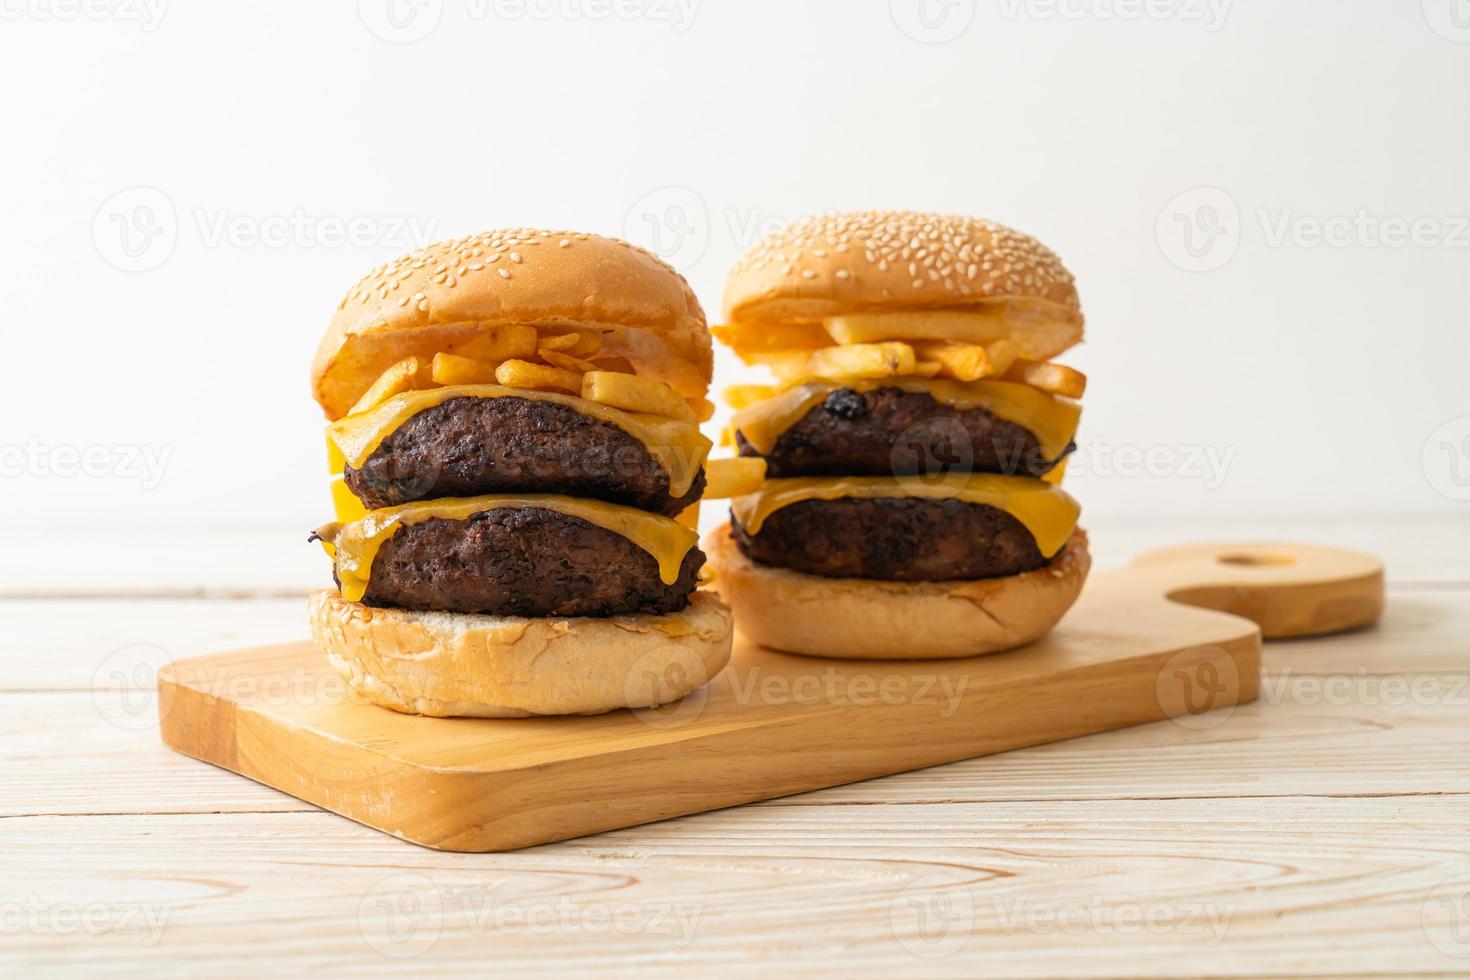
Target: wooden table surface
[{"x": 1324, "y": 829}]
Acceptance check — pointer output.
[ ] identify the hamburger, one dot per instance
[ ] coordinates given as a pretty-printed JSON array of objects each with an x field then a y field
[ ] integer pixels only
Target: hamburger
[
  {"x": 912, "y": 444},
  {"x": 515, "y": 455}
]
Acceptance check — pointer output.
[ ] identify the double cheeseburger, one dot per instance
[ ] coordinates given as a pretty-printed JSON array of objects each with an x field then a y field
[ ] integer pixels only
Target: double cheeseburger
[
  {"x": 914, "y": 441},
  {"x": 516, "y": 459}
]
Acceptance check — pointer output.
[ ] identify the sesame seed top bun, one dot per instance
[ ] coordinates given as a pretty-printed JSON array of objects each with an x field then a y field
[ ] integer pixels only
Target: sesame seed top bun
[
  {"x": 874, "y": 261},
  {"x": 421, "y": 301}
]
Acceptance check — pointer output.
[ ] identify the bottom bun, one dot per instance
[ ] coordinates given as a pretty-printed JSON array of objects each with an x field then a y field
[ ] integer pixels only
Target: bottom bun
[
  {"x": 454, "y": 664},
  {"x": 869, "y": 619}
]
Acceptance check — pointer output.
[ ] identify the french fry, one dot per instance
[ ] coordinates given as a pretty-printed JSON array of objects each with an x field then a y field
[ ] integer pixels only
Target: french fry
[
  {"x": 885, "y": 360},
  {"x": 787, "y": 365},
  {"x": 961, "y": 361},
  {"x": 452, "y": 369},
  {"x": 725, "y": 478},
  {"x": 703, "y": 410},
  {"x": 564, "y": 342},
  {"x": 754, "y": 337},
  {"x": 499, "y": 343},
  {"x": 1002, "y": 354},
  {"x": 588, "y": 344},
  {"x": 566, "y": 361},
  {"x": 1040, "y": 330},
  {"x": 400, "y": 377},
  {"x": 928, "y": 369},
  {"x": 980, "y": 327},
  {"x": 634, "y": 394},
  {"x": 741, "y": 396},
  {"x": 524, "y": 374},
  {"x": 1056, "y": 379},
  {"x": 577, "y": 343}
]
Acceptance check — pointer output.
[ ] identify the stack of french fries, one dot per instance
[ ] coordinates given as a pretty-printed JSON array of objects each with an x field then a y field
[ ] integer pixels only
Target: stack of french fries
[
  {"x": 958, "y": 346},
  {"x": 549, "y": 359}
]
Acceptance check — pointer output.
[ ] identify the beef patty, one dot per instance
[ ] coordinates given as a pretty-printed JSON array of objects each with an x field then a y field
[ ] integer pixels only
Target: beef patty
[
  {"x": 893, "y": 431},
  {"x": 520, "y": 561},
  {"x": 904, "y": 539},
  {"x": 465, "y": 447}
]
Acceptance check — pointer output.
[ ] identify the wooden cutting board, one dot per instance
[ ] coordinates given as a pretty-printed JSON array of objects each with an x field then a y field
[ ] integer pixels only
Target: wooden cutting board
[{"x": 1140, "y": 645}]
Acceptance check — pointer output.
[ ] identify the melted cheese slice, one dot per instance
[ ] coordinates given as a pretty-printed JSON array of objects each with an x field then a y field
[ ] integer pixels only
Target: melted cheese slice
[
  {"x": 678, "y": 447},
  {"x": 355, "y": 545},
  {"x": 1049, "y": 513},
  {"x": 345, "y": 504},
  {"x": 1051, "y": 419}
]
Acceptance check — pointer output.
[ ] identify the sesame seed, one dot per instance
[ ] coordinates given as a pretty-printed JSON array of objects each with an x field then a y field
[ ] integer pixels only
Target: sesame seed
[
  {"x": 447, "y": 264},
  {"x": 942, "y": 253}
]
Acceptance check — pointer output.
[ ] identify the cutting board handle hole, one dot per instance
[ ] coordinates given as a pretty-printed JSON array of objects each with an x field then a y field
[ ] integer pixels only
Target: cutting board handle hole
[{"x": 1255, "y": 559}]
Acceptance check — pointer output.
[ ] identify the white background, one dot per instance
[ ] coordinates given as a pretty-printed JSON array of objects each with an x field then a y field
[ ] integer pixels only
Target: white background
[{"x": 1282, "y": 376}]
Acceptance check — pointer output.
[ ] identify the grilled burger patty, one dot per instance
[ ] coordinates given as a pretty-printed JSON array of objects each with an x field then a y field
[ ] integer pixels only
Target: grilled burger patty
[
  {"x": 464, "y": 447},
  {"x": 523, "y": 562},
  {"x": 906, "y": 539},
  {"x": 893, "y": 431}
]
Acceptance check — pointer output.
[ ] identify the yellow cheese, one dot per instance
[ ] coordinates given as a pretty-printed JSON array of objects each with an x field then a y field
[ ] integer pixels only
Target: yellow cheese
[
  {"x": 733, "y": 477},
  {"x": 345, "y": 504},
  {"x": 678, "y": 447},
  {"x": 1047, "y": 512},
  {"x": 335, "y": 462},
  {"x": 1051, "y": 419},
  {"x": 356, "y": 544}
]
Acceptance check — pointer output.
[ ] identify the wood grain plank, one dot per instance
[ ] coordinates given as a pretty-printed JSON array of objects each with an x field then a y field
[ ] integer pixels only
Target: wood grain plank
[
  {"x": 1123, "y": 656},
  {"x": 1108, "y": 888},
  {"x": 55, "y": 644},
  {"x": 1318, "y": 823},
  {"x": 76, "y": 753},
  {"x": 76, "y": 644}
]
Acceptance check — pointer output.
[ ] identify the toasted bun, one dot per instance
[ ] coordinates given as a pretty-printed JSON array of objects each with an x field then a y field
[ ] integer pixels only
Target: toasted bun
[
  {"x": 452, "y": 664},
  {"x": 876, "y": 261},
  {"x": 419, "y": 302},
  {"x": 868, "y": 619}
]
